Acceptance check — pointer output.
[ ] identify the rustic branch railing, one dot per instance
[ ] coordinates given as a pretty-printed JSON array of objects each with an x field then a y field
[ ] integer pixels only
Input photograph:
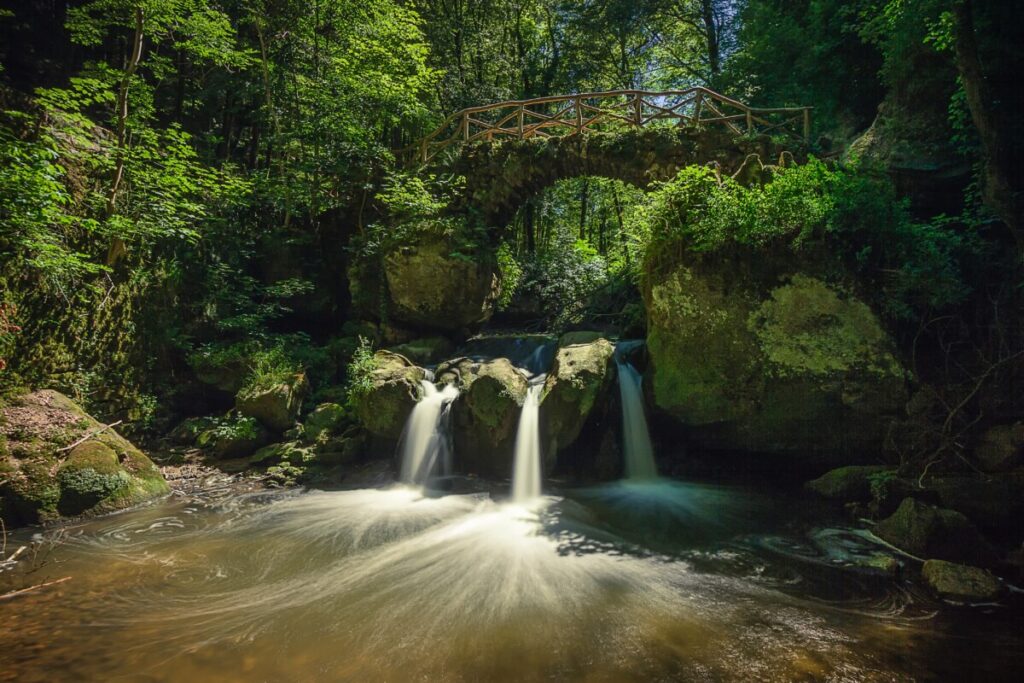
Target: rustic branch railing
[{"x": 573, "y": 114}]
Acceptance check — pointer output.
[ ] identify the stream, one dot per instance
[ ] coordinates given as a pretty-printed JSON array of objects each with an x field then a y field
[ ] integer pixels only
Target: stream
[{"x": 632, "y": 581}]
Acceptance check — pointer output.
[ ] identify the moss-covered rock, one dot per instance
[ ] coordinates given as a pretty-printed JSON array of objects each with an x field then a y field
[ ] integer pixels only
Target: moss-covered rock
[
  {"x": 276, "y": 406},
  {"x": 580, "y": 378},
  {"x": 42, "y": 479},
  {"x": 930, "y": 532},
  {"x": 232, "y": 437},
  {"x": 325, "y": 420},
  {"x": 960, "y": 582},
  {"x": 1001, "y": 448},
  {"x": 486, "y": 414},
  {"x": 429, "y": 288},
  {"x": 752, "y": 354},
  {"x": 849, "y": 483},
  {"x": 393, "y": 387}
]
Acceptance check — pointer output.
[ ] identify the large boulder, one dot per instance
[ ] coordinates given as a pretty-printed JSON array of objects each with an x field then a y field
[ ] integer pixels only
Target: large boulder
[
  {"x": 849, "y": 483},
  {"x": 930, "y": 532},
  {"x": 485, "y": 417},
  {"x": 1001, "y": 448},
  {"x": 960, "y": 582},
  {"x": 276, "y": 406},
  {"x": 57, "y": 461},
  {"x": 426, "y": 350},
  {"x": 752, "y": 356},
  {"x": 391, "y": 392},
  {"x": 431, "y": 288},
  {"x": 580, "y": 379}
]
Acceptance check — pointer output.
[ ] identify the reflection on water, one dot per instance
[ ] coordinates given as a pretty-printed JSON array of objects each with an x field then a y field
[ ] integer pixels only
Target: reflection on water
[{"x": 656, "y": 580}]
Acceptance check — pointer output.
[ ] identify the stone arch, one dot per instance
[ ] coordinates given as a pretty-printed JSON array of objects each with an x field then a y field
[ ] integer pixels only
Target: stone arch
[{"x": 501, "y": 176}]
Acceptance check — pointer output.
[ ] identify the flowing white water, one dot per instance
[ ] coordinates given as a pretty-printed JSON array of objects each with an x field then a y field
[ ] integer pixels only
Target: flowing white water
[
  {"x": 425, "y": 442},
  {"x": 636, "y": 440},
  {"x": 526, "y": 472}
]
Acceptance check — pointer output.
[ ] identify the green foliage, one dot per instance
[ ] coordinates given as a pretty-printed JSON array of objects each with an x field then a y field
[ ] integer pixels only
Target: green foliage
[
  {"x": 855, "y": 211},
  {"x": 270, "y": 367},
  {"x": 235, "y": 428},
  {"x": 359, "y": 374},
  {"x": 511, "y": 274},
  {"x": 563, "y": 279}
]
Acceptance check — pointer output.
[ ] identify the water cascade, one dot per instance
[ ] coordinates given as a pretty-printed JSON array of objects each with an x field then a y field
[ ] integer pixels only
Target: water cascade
[
  {"x": 526, "y": 472},
  {"x": 425, "y": 444},
  {"x": 636, "y": 440}
]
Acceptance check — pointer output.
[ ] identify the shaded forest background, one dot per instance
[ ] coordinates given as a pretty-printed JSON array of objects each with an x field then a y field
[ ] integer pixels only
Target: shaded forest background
[{"x": 185, "y": 183}]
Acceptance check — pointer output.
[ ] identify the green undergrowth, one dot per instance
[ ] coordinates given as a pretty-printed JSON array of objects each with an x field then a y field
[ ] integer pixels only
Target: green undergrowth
[{"x": 853, "y": 212}]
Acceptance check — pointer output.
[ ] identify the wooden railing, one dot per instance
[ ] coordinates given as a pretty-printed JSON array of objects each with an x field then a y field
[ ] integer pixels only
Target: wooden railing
[{"x": 574, "y": 114}]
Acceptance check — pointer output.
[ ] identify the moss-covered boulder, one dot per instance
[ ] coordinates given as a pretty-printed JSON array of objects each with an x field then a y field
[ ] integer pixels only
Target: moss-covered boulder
[
  {"x": 57, "y": 461},
  {"x": 753, "y": 358},
  {"x": 960, "y": 582},
  {"x": 485, "y": 417},
  {"x": 930, "y": 532},
  {"x": 432, "y": 288},
  {"x": 391, "y": 391},
  {"x": 275, "y": 405},
  {"x": 233, "y": 436},
  {"x": 1001, "y": 448},
  {"x": 849, "y": 483},
  {"x": 325, "y": 420},
  {"x": 580, "y": 379}
]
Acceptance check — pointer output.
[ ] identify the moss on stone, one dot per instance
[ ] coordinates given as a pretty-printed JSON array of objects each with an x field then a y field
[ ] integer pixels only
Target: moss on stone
[{"x": 806, "y": 328}]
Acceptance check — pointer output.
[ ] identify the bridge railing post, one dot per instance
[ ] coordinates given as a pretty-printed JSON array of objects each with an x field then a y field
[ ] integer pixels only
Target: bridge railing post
[
  {"x": 807, "y": 124},
  {"x": 520, "y": 117},
  {"x": 579, "y": 115},
  {"x": 638, "y": 104},
  {"x": 465, "y": 127},
  {"x": 750, "y": 122}
]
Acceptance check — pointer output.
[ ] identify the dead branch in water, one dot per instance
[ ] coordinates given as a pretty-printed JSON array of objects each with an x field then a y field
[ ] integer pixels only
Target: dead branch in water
[
  {"x": 22, "y": 591},
  {"x": 85, "y": 438}
]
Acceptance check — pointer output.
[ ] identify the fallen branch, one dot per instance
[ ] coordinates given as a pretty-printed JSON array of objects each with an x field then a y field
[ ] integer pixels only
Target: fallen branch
[
  {"x": 22, "y": 591},
  {"x": 85, "y": 438}
]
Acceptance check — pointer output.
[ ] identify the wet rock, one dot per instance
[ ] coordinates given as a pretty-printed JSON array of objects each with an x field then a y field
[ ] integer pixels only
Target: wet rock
[
  {"x": 42, "y": 480},
  {"x": 755, "y": 355},
  {"x": 284, "y": 452},
  {"x": 1001, "y": 448},
  {"x": 580, "y": 378},
  {"x": 432, "y": 289},
  {"x": 277, "y": 406},
  {"x": 852, "y": 482},
  {"x": 485, "y": 417},
  {"x": 930, "y": 532},
  {"x": 393, "y": 387},
  {"x": 993, "y": 502},
  {"x": 325, "y": 421},
  {"x": 960, "y": 582}
]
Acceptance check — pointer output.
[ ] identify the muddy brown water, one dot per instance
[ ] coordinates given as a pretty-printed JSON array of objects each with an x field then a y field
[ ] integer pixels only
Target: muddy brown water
[{"x": 662, "y": 581}]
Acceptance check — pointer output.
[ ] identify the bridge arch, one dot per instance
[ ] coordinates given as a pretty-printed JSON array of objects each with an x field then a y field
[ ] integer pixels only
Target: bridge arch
[{"x": 510, "y": 151}]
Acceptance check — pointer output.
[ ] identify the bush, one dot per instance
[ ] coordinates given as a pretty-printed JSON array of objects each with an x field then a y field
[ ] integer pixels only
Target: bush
[
  {"x": 912, "y": 266},
  {"x": 360, "y": 373}
]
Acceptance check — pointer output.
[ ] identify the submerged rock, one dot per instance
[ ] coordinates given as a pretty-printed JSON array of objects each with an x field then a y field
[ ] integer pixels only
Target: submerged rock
[
  {"x": 42, "y": 480},
  {"x": 277, "y": 406},
  {"x": 393, "y": 387},
  {"x": 960, "y": 582},
  {"x": 849, "y": 483},
  {"x": 760, "y": 357},
  {"x": 486, "y": 414},
  {"x": 432, "y": 289},
  {"x": 930, "y": 532},
  {"x": 580, "y": 379}
]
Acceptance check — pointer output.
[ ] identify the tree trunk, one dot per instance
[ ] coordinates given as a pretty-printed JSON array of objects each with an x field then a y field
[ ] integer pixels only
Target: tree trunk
[
  {"x": 1002, "y": 175},
  {"x": 117, "y": 247}
]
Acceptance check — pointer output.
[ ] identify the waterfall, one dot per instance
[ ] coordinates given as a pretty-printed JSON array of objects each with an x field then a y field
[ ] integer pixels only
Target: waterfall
[
  {"x": 636, "y": 440},
  {"x": 425, "y": 443},
  {"x": 526, "y": 472}
]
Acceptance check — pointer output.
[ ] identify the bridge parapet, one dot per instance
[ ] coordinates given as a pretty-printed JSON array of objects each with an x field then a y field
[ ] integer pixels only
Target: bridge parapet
[{"x": 565, "y": 115}]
